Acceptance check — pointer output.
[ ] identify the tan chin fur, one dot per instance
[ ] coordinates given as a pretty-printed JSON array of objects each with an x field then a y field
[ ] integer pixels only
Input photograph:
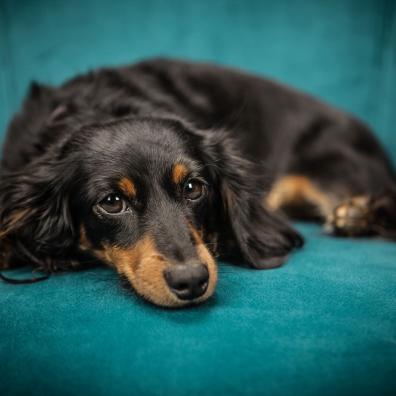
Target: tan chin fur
[{"x": 144, "y": 267}]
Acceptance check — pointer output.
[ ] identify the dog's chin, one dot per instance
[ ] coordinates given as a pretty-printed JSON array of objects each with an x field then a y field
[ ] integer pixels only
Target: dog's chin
[
  {"x": 154, "y": 290},
  {"x": 174, "y": 302}
]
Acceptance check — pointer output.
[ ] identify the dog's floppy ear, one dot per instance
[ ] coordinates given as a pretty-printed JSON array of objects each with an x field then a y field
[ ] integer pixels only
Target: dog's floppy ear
[
  {"x": 35, "y": 220},
  {"x": 261, "y": 237}
]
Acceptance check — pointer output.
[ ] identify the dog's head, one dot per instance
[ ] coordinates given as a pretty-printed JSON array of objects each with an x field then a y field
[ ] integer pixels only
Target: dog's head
[{"x": 152, "y": 198}]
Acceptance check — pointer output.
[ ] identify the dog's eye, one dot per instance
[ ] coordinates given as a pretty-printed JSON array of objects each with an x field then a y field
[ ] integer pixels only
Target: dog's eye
[
  {"x": 193, "y": 190},
  {"x": 113, "y": 204}
]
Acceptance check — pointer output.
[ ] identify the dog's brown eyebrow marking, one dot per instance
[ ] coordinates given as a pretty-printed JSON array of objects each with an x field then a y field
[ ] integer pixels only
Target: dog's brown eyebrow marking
[
  {"x": 127, "y": 187},
  {"x": 179, "y": 172}
]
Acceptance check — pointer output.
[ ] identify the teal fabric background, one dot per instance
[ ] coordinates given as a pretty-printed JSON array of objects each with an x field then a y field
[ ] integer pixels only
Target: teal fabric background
[{"x": 325, "y": 323}]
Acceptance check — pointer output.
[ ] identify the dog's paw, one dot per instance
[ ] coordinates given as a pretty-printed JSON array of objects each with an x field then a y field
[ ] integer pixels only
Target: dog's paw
[{"x": 350, "y": 218}]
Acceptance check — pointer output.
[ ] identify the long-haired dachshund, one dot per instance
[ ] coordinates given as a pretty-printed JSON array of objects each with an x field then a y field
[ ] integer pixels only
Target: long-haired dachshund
[{"x": 156, "y": 168}]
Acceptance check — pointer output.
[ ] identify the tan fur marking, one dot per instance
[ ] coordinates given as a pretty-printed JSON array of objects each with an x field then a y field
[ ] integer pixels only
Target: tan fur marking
[
  {"x": 341, "y": 211},
  {"x": 361, "y": 201},
  {"x": 207, "y": 258},
  {"x": 144, "y": 267},
  {"x": 179, "y": 172},
  {"x": 127, "y": 187},
  {"x": 350, "y": 217},
  {"x": 296, "y": 189},
  {"x": 197, "y": 235}
]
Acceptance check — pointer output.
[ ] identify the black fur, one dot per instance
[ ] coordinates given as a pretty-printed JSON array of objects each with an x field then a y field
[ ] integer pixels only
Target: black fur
[{"x": 238, "y": 132}]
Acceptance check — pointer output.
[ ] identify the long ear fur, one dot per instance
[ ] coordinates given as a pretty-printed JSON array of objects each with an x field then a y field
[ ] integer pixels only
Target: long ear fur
[
  {"x": 35, "y": 221},
  {"x": 261, "y": 237}
]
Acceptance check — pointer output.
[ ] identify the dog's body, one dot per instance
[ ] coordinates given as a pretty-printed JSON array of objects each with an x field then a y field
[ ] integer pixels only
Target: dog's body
[{"x": 245, "y": 147}]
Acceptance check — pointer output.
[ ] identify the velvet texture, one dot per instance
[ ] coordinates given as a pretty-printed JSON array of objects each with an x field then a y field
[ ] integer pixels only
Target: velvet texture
[{"x": 323, "y": 324}]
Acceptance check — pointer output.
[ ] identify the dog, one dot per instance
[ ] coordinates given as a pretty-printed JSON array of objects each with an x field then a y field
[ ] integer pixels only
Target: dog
[{"x": 158, "y": 168}]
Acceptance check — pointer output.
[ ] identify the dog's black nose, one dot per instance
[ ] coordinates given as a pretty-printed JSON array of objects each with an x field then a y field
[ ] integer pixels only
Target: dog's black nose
[{"x": 187, "y": 281}]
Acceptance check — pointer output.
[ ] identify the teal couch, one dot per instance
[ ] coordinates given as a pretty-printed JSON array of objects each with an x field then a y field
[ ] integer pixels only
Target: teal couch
[{"x": 324, "y": 324}]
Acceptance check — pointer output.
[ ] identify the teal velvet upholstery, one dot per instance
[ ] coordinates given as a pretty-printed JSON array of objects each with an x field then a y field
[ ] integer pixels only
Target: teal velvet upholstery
[{"x": 323, "y": 324}]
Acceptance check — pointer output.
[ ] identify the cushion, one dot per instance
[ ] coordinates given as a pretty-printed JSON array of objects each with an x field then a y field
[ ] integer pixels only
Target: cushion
[{"x": 322, "y": 324}]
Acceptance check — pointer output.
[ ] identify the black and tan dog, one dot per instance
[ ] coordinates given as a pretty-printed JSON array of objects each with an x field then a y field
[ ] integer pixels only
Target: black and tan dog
[{"x": 156, "y": 168}]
